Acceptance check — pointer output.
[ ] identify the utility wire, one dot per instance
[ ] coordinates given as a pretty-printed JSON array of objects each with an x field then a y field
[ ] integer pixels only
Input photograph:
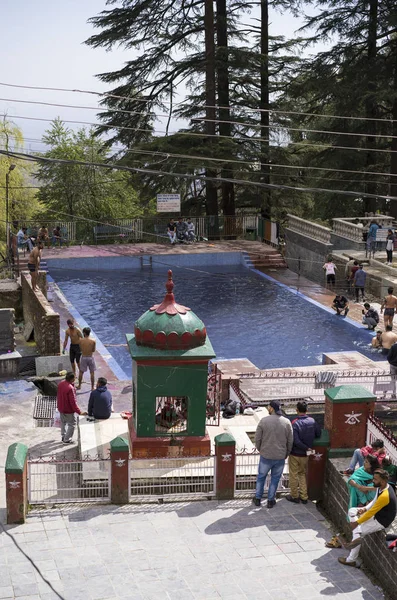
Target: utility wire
[
  {"x": 243, "y": 182},
  {"x": 249, "y": 125},
  {"x": 245, "y": 139},
  {"x": 237, "y": 161},
  {"x": 254, "y": 110}
]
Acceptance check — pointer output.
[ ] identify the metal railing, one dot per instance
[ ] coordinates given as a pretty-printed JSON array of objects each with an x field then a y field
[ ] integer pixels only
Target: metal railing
[
  {"x": 246, "y": 473},
  {"x": 149, "y": 229},
  {"x": 375, "y": 430},
  {"x": 291, "y": 385},
  {"x": 180, "y": 477},
  {"x": 54, "y": 480}
]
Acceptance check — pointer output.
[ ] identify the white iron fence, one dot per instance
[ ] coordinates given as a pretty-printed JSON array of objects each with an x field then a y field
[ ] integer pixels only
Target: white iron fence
[
  {"x": 247, "y": 470},
  {"x": 181, "y": 477},
  {"x": 54, "y": 480},
  {"x": 376, "y": 430}
]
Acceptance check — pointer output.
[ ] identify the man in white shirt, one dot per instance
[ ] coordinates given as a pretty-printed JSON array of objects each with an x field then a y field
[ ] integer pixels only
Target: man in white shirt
[{"x": 330, "y": 268}]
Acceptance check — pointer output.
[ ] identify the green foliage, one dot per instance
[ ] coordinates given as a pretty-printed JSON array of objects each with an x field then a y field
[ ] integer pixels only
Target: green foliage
[
  {"x": 23, "y": 202},
  {"x": 70, "y": 190}
]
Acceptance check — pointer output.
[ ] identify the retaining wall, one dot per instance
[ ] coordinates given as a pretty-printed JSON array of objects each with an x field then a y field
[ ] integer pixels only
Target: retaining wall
[
  {"x": 11, "y": 297},
  {"x": 374, "y": 552},
  {"x": 39, "y": 315},
  {"x": 306, "y": 256}
]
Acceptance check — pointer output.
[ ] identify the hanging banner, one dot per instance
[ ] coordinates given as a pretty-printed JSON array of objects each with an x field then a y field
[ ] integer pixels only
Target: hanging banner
[{"x": 168, "y": 203}]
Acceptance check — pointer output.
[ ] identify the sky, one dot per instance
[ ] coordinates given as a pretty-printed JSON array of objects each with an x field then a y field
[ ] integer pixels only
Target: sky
[{"x": 42, "y": 44}]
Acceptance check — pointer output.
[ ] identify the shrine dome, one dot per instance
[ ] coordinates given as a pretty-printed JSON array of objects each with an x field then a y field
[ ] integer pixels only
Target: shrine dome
[{"x": 170, "y": 326}]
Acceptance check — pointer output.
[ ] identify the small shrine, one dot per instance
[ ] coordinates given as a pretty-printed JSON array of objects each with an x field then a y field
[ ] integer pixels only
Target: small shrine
[{"x": 170, "y": 351}]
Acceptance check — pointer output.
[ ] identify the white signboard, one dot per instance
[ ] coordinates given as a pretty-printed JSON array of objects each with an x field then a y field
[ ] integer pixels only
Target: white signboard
[{"x": 168, "y": 203}]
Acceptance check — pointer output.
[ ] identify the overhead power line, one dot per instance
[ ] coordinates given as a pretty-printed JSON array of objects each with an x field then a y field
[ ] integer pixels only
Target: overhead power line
[
  {"x": 253, "y": 110},
  {"x": 246, "y": 139},
  {"x": 242, "y": 182},
  {"x": 205, "y": 120},
  {"x": 239, "y": 161}
]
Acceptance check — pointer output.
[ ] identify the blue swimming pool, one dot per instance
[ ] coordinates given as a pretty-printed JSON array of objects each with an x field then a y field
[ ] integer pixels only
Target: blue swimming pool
[{"x": 246, "y": 315}]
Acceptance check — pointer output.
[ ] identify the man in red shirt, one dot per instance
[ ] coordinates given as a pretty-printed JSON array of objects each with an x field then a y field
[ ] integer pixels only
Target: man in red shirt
[{"x": 67, "y": 406}]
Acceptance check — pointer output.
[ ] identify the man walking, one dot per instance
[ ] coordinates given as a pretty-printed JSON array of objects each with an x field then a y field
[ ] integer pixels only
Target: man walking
[
  {"x": 388, "y": 307},
  {"x": 87, "y": 361},
  {"x": 67, "y": 406},
  {"x": 378, "y": 515},
  {"x": 359, "y": 282},
  {"x": 330, "y": 268},
  {"x": 100, "y": 405},
  {"x": 273, "y": 440},
  {"x": 305, "y": 430},
  {"x": 75, "y": 335}
]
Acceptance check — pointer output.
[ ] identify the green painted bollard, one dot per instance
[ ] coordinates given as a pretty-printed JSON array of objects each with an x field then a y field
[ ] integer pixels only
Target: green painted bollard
[
  {"x": 16, "y": 483},
  {"x": 225, "y": 466},
  {"x": 120, "y": 472}
]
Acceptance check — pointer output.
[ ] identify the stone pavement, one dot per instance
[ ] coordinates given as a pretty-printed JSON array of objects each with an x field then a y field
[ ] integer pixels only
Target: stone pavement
[{"x": 180, "y": 551}]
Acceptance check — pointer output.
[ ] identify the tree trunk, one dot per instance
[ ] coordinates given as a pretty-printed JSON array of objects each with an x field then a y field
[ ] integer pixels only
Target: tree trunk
[
  {"x": 370, "y": 103},
  {"x": 393, "y": 155},
  {"x": 264, "y": 105},
  {"x": 210, "y": 101},
  {"x": 225, "y": 129}
]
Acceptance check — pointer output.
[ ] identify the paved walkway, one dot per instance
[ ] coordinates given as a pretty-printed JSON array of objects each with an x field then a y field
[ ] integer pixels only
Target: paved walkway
[{"x": 181, "y": 551}]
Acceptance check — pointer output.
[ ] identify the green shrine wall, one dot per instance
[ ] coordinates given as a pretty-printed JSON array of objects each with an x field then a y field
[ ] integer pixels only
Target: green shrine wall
[{"x": 180, "y": 380}]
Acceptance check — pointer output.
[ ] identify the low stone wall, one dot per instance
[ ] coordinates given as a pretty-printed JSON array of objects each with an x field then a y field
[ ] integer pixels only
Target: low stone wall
[
  {"x": 11, "y": 297},
  {"x": 374, "y": 552},
  {"x": 40, "y": 317},
  {"x": 306, "y": 256}
]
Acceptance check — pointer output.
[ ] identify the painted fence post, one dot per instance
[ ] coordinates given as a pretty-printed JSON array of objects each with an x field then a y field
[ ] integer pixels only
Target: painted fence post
[
  {"x": 347, "y": 408},
  {"x": 225, "y": 466},
  {"x": 120, "y": 479},
  {"x": 316, "y": 467},
  {"x": 16, "y": 483}
]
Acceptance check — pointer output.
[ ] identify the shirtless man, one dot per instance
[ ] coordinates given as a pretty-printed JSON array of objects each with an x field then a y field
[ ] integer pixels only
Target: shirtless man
[
  {"x": 389, "y": 305},
  {"x": 388, "y": 339},
  {"x": 377, "y": 340},
  {"x": 74, "y": 333},
  {"x": 34, "y": 263},
  {"x": 87, "y": 361}
]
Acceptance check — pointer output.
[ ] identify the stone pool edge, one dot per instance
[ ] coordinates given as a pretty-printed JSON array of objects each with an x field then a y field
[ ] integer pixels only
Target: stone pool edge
[
  {"x": 307, "y": 298},
  {"x": 107, "y": 357}
]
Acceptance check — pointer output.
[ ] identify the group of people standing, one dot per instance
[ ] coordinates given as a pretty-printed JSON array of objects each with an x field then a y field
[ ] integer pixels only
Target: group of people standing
[
  {"x": 372, "y": 505},
  {"x": 371, "y": 241},
  {"x": 81, "y": 351}
]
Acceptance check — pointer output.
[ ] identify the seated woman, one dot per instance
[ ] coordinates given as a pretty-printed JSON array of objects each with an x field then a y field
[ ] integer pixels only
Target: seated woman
[
  {"x": 361, "y": 487},
  {"x": 361, "y": 491}
]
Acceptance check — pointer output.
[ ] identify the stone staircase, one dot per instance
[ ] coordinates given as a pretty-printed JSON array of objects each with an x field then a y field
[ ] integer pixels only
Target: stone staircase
[{"x": 271, "y": 259}]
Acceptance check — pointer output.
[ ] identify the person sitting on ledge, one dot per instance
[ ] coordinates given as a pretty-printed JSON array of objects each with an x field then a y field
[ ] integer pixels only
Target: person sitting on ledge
[
  {"x": 360, "y": 484},
  {"x": 391, "y": 469},
  {"x": 100, "y": 405},
  {"x": 340, "y": 304},
  {"x": 378, "y": 515},
  {"x": 376, "y": 449}
]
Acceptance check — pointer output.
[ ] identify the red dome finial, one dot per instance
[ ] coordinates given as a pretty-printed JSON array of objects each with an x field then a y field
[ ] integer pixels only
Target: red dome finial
[
  {"x": 169, "y": 305},
  {"x": 169, "y": 286}
]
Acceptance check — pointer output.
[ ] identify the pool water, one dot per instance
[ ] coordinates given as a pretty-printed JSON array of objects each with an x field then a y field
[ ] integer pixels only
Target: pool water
[{"x": 245, "y": 314}]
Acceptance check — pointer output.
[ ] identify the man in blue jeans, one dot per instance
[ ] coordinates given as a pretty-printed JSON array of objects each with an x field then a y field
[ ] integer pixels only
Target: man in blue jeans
[{"x": 273, "y": 440}]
